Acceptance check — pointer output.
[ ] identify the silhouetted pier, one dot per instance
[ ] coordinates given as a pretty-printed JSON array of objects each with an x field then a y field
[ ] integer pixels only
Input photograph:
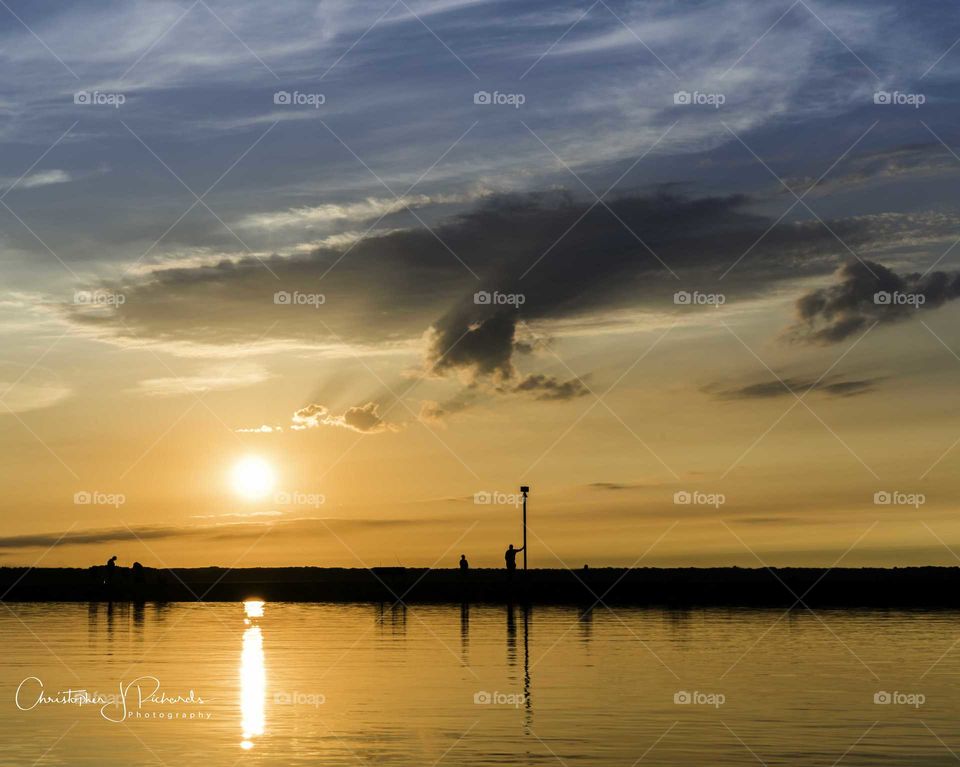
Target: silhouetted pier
[{"x": 782, "y": 587}]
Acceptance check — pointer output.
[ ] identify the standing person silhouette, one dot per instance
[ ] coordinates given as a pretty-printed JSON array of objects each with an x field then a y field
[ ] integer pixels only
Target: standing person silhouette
[
  {"x": 510, "y": 557},
  {"x": 464, "y": 564},
  {"x": 111, "y": 569}
]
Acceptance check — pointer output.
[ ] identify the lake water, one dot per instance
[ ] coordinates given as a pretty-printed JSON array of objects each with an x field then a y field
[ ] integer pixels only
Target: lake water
[{"x": 282, "y": 683}]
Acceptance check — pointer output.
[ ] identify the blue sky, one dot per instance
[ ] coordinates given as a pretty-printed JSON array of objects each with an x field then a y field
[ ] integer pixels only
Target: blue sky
[{"x": 399, "y": 80}]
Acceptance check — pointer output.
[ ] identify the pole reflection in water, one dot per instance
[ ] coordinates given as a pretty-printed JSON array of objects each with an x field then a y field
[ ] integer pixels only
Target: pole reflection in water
[
  {"x": 253, "y": 677},
  {"x": 512, "y": 657},
  {"x": 527, "y": 702}
]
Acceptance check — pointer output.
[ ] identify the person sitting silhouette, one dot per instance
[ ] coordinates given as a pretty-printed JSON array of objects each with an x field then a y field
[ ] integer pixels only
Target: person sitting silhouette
[
  {"x": 510, "y": 557},
  {"x": 464, "y": 564}
]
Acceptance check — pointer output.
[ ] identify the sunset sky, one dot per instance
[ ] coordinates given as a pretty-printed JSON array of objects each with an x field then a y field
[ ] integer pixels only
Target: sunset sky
[{"x": 257, "y": 231}]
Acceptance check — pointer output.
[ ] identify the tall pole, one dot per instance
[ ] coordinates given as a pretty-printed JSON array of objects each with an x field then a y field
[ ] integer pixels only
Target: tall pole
[{"x": 524, "y": 489}]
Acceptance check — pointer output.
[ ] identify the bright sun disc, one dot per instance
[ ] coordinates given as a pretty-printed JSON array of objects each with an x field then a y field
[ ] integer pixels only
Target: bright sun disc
[{"x": 252, "y": 478}]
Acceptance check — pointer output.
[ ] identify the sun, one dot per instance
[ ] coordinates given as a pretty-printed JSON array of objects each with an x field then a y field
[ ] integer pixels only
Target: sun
[{"x": 252, "y": 478}]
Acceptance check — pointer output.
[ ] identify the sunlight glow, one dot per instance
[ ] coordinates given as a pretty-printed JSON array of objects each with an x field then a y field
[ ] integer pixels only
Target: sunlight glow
[
  {"x": 252, "y": 478},
  {"x": 253, "y": 677}
]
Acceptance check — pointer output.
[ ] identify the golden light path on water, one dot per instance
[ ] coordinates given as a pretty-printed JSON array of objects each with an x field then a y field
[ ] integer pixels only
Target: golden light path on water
[{"x": 253, "y": 676}]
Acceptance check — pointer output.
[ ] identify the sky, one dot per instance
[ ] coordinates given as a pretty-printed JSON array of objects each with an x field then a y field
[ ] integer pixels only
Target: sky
[{"x": 325, "y": 283}]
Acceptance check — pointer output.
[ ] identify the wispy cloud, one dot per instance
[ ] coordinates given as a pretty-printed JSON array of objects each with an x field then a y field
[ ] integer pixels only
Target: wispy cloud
[
  {"x": 227, "y": 530},
  {"x": 44, "y": 178},
  {"x": 24, "y": 396},
  {"x": 790, "y": 385},
  {"x": 213, "y": 378},
  {"x": 372, "y": 207}
]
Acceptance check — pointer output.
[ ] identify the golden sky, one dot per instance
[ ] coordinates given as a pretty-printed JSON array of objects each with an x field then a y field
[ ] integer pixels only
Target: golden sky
[{"x": 332, "y": 304}]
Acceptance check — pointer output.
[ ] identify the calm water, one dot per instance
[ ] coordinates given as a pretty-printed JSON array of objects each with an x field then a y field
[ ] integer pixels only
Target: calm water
[{"x": 352, "y": 684}]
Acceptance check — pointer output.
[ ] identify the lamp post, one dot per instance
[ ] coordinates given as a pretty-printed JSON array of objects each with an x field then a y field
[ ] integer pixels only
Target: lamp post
[{"x": 524, "y": 489}]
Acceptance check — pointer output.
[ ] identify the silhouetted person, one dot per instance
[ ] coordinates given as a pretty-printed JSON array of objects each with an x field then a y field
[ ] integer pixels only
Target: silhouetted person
[
  {"x": 510, "y": 557},
  {"x": 464, "y": 564},
  {"x": 111, "y": 569}
]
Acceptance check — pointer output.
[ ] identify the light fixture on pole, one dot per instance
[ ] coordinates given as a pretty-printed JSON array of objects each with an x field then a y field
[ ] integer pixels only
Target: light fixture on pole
[{"x": 524, "y": 489}]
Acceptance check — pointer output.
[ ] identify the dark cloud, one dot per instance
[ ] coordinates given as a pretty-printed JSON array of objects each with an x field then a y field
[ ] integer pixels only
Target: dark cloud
[
  {"x": 433, "y": 412},
  {"x": 548, "y": 388},
  {"x": 865, "y": 293},
  {"x": 391, "y": 287},
  {"x": 365, "y": 419},
  {"x": 436, "y": 413},
  {"x": 541, "y": 268},
  {"x": 548, "y": 256},
  {"x": 87, "y": 537},
  {"x": 484, "y": 352},
  {"x": 776, "y": 388},
  {"x": 616, "y": 486},
  {"x": 231, "y": 530},
  {"x": 483, "y": 348}
]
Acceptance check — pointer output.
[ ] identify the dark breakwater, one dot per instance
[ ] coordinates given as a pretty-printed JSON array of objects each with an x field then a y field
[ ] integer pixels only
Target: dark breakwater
[{"x": 781, "y": 587}]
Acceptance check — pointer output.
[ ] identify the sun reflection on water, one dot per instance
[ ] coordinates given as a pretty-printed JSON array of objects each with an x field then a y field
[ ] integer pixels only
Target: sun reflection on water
[{"x": 253, "y": 677}]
